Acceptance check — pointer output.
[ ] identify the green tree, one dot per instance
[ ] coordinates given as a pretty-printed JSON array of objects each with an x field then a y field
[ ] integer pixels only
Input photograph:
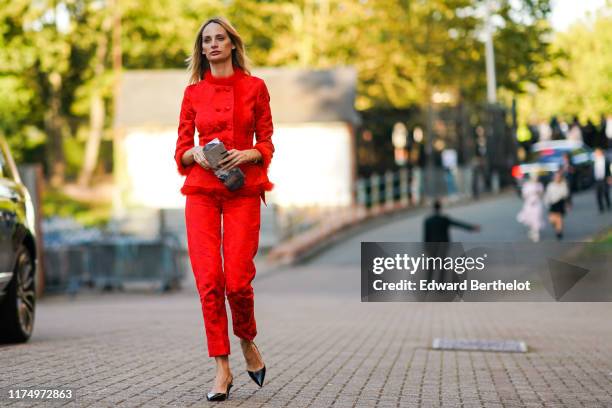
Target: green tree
[
  {"x": 46, "y": 54},
  {"x": 34, "y": 57},
  {"x": 405, "y": 49},
  {"x": 583, "y": 86}
]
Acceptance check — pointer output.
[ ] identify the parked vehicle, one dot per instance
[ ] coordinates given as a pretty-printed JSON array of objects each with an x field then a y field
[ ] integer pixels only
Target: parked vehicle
[
  {"x": 546, "y": 158},
  {"x": 17, "y": 253}
]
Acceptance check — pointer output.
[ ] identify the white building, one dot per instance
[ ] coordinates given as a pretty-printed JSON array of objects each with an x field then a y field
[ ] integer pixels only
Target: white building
[{"x": 314, "y": 127}]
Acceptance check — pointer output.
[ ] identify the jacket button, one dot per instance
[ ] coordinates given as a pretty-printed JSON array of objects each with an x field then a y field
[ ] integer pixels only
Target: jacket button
[
  {"x": 218, "y": 109},
  {"x": 227, "y": 108}
]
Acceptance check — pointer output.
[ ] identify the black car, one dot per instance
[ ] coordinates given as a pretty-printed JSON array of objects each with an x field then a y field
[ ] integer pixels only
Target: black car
[
  {"x": 546, "y": 158},
  {"x": 17, "y": 253}
]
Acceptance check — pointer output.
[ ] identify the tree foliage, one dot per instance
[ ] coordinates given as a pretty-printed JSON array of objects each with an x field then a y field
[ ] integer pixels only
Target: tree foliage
[
  {"x": 583, "y": 84},
  {"x": 403, "y": 50},
  {"x": 46, "y": 53}
]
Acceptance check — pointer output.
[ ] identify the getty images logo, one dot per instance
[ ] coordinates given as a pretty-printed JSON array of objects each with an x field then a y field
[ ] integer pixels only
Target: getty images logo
[{"x": 413, "y": 264}]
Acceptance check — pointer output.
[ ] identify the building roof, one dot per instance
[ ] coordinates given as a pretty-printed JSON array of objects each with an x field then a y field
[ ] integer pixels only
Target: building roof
[
  {"x": 153, "y": 97},
  {"x": 304, "y": 95}
]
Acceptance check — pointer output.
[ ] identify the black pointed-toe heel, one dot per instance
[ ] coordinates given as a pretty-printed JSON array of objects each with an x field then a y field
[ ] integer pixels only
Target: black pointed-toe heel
[
  {"x": 219, "y": 396},
  {"x": 259, "y": 375}
]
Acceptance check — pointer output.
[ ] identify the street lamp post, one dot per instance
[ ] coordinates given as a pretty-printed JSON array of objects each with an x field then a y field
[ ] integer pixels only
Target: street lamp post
[
  {"x": 490, "y": 55},
  {"x": 489, "y": 7}
]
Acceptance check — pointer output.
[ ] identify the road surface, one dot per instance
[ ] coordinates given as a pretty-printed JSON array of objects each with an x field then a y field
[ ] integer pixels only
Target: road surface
[{"x": 322, "y": 346}]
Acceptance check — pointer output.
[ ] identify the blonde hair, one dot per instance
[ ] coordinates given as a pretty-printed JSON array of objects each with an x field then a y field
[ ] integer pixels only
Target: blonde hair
[{"x": 198, "y": 64}]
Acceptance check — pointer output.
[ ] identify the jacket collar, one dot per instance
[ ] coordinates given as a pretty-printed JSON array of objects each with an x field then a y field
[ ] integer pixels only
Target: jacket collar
[{"x": 229, "y": 80}]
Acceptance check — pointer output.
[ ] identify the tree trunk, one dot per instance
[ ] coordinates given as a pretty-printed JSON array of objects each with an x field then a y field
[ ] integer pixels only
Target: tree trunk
[
  {"x": 53, "y": 126},
  {"x": 92, "y": 147},
  {"x": 97, "y": 111}
]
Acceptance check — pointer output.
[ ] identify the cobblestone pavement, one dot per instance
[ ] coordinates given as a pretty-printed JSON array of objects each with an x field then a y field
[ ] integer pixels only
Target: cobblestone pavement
[{"x": 321, "y": 345}]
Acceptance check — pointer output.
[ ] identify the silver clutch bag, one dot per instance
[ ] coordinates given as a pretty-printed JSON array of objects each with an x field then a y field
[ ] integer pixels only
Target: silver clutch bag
[{"x": 215, "y": 151}]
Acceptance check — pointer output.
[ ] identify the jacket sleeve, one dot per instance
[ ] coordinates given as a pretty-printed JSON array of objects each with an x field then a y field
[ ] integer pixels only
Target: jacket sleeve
[
  {"x": 186, "y": 131},
  {"x": 263, "y": 126},
  {"x": 460, "y": 224}
]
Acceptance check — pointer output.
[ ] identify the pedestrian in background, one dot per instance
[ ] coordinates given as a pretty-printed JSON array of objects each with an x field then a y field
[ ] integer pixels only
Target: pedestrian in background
[
  {"x": 555, "y": 198},
  {"x": 575, "y": 132},
  {"x": 224, "y": 101},
  {"x": 478, "y": 169},
  {"x": 601, "y": 174},
  {"x": 555, "y": 129},
  {"x": 436, "y": 236},
  {"x": 602, "y": 132},
  {"x": 531, "y": 214},
  {"x": 569, "y": 173},
  {"x": 589, "y": 134},
  {"x": 437, "y": 226},
  {"x": 544, "y": 132}
]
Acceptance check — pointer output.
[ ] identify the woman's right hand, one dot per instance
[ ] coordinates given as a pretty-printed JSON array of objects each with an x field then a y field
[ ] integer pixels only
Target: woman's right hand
[{"x": 200, "y": 158}]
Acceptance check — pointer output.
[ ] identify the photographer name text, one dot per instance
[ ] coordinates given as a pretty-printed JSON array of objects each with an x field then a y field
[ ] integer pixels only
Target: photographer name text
[{"x": 472, "y": 284}]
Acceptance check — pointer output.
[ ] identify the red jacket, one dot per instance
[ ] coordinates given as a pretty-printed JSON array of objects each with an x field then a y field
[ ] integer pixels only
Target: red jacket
[{"x": 231, "y": 109}]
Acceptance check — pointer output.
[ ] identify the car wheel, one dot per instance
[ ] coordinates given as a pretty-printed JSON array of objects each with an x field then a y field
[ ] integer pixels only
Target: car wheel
[{"x": 17, "y": 309}]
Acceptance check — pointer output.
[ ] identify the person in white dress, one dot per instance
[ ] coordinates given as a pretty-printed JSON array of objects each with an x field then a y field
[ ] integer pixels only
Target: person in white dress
[{"x": 531, "y": 215}]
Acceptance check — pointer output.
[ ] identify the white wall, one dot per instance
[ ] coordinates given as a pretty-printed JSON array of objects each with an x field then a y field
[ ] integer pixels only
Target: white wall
[
  {"x": 311, "y": 165},
  {"x": 153, "y": 178}
]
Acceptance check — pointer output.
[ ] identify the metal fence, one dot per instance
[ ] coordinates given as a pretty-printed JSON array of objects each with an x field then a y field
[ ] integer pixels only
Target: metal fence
[
  {"x": 113, "y": 263},
  {"x": 392, "y": 190},
  {"x": 413, "y": 186}
]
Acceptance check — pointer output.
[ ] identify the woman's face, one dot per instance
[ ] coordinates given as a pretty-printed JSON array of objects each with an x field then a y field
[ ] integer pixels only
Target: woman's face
[{"x": 216, "y": 44}]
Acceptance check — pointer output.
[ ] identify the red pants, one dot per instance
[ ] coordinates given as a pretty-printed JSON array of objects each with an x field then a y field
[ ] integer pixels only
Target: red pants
[{"x": 214, "y": 279}]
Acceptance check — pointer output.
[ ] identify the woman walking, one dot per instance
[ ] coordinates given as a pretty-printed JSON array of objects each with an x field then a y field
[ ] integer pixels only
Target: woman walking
[
  {"x": 531, "y": 213},
  {"x": 556, "y": 197},
  {"x": 224, "y": 101}
]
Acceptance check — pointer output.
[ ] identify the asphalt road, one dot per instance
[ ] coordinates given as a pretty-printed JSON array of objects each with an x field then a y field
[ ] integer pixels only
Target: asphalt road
[{"x": 496, "y": 216}]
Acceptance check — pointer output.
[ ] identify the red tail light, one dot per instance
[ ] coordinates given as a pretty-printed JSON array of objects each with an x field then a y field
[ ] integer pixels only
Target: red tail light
[
  {"x": 517, "y": 172},
  {"x": 547, "y": 152}
]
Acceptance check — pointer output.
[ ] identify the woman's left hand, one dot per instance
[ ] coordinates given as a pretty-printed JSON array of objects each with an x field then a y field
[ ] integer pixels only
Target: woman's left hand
[{"x": 236, "y": 157}]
